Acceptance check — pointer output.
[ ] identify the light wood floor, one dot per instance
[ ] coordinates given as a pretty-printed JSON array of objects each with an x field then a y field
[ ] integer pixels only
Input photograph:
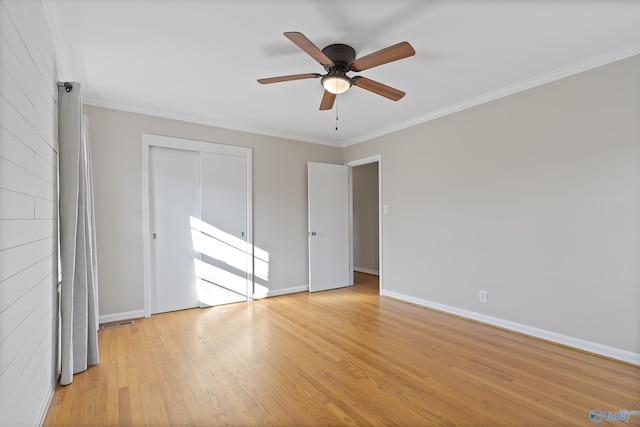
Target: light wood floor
[{"x": 344, "y": 357}]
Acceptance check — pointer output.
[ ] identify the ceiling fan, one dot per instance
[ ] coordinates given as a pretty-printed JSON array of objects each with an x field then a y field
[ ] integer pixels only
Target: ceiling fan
[{"x": 338, "y": 60}]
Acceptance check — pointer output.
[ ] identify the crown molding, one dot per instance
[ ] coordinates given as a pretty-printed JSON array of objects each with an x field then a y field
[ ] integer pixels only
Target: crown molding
[
  {"x": 560, "y": 73},
  {"x": 204, "y": 121}
]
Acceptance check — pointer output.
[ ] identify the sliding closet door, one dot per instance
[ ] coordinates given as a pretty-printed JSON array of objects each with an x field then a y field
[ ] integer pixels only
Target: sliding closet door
[
  {"x": 175, "y": 199},
  {"x": 225, "y": 264},
  {"x": 199, "y": 219}
]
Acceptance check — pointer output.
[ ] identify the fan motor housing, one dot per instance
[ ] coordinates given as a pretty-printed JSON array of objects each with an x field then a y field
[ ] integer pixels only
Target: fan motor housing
[{"x": 341, "y": 54}]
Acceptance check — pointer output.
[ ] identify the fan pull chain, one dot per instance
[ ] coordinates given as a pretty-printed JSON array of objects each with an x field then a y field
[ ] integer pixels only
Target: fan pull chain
[{"x": 337, "y": 112}]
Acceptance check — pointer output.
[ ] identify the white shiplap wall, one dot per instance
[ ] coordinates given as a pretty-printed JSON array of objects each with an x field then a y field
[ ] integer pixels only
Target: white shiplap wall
[{"x": 28, "y": 213}]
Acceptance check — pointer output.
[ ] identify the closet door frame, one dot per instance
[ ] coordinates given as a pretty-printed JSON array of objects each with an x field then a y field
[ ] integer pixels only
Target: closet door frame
[{"x": 148, "y": 141}]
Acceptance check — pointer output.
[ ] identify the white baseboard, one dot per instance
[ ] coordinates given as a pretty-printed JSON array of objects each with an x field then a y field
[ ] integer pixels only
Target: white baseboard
[
  {"x": 366, "y": 270},
  {"x": 116, "y": 317},
  {"x": 47, "y": 402},
  {"x": 138, "y": 314},
  {"x": 603, "y": 350},
  {"x": 274, "y": 293}
]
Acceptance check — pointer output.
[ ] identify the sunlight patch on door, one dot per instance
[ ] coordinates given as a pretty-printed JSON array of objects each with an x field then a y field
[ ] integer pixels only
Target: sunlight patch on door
[{"x": 224, "y": 265}]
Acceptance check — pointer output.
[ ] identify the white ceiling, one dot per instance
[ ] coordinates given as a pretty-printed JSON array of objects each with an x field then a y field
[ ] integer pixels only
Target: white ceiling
[{"x": 199, "y": 60}]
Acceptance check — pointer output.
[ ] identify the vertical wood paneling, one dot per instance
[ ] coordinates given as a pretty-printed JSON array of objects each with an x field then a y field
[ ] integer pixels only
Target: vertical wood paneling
[
  {"x": 13, "y": 288},
  {"x": 15, "y": 205},
  {"x": 18, "y": 232},
  {"x": 28, "y": 213},
  {"x": 15, "y": 123},
  {"x": 14, "y": 151},
  {"x": 45, "y": 209}
]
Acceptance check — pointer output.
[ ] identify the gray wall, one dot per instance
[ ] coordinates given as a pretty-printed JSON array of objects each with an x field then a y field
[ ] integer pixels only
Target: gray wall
[
  {"x": 28, "y": 213},
  {"x": 365, "y": 218},
  {"x": 279, "y": 200},
  {"x": 534, "y": 197}
]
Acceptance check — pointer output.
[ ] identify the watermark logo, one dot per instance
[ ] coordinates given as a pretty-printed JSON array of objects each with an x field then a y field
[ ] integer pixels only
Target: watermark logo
[{"x": 598, "y": 415}]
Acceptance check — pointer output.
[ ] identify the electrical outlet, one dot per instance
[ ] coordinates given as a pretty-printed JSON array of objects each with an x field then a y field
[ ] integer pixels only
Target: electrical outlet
[{"x": 482, "y": 296}]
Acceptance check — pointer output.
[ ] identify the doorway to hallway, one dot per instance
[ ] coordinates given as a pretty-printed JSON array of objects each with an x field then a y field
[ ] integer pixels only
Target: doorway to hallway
[{"x": 366, "y": 216}]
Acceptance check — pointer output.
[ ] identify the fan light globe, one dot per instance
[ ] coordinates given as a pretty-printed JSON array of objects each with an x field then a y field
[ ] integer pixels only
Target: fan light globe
[{"x": 336, "y": 83}]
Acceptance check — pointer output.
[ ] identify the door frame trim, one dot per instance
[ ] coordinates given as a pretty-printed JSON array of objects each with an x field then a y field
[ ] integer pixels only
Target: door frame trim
[
  {"x": 360, "y": 162},
  {"x": 150, "y": 140}
]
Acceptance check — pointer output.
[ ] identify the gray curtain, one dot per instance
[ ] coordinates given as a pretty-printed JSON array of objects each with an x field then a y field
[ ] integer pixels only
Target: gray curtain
[{"x": 78, "y": 295}]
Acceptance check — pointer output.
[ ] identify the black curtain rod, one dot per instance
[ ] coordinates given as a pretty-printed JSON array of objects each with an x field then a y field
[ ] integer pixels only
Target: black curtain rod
[{"x": 67, "y": 86}]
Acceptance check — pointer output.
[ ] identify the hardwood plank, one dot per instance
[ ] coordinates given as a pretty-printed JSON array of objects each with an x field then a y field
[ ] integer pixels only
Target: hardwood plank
[{"x": 343, "y": 357}]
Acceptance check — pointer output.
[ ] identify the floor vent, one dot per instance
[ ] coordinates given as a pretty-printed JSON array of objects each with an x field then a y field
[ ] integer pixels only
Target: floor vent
[{"x": 117, "y": 324}]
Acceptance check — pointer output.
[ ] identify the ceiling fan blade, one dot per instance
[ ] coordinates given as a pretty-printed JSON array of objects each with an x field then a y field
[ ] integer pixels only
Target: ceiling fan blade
[
  {"x": 383, "y": 56},
  {"x": 311, "y": 49},
  {"x": 288, "y": 78},
  {"x": 327, "y": 100},
  {"x": 378, "y": 88}
]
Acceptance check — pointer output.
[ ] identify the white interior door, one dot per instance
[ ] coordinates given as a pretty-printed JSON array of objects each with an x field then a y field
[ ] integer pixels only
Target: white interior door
[
  {"x": 174, "y": 199},
  {"x": 224, "y": 268},
  {"x": 199, "y": 243},
  {"x": 329, "y": 253}
]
